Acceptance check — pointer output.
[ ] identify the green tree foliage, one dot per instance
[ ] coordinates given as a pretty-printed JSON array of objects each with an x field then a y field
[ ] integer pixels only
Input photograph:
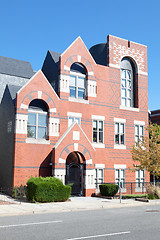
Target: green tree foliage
[{"x": 146, "y": 153}]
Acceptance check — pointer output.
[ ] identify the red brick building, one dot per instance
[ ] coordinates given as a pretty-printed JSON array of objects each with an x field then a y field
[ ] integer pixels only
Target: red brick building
[{"x": 78, "y": 117}]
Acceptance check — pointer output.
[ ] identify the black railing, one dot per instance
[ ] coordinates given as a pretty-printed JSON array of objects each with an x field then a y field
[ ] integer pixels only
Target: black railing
[
  {"x": 12, "y": 195},
  {"x": 130, "y": 187}
]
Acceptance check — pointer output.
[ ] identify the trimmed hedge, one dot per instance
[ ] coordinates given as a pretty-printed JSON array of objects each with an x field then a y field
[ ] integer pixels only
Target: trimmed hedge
[
  {"x": 108, "y": 189},
  {"x": 47, "y": 189}
]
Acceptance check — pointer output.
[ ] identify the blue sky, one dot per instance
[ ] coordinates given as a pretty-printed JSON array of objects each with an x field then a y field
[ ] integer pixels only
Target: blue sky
[{"x": 30, "y": 28}]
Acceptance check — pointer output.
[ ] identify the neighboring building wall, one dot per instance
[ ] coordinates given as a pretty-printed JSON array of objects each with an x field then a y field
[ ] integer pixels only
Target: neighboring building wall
[
  {"x": 7, "y": 116},
  {"x": 155, "y": 116}
]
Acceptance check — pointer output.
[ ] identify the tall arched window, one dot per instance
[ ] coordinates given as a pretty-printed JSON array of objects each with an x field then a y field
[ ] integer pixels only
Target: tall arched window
[
  {"x": 128, "y": 82},
  {"x": 37, "y": 119},
  {"x": 77, "y": 83}
]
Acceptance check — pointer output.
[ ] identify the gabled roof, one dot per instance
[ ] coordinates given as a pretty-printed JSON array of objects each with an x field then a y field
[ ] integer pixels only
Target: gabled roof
[
  {"x": 14, "y": 67},
  {"x": 66, "y": 133},
  {"x": 55, "y": 56},
  {"x": 13, "y": 89}
]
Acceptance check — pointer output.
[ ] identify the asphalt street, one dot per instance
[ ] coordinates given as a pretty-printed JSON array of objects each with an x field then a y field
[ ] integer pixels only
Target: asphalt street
[{"x": 112, "y": 224}]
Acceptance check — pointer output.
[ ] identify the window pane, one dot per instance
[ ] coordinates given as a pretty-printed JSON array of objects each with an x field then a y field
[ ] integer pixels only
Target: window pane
[
  {"x": 129, "y": 93},
  {"x": 94, "y": 125},
  {"x": 123, "y": 91},
  {"x": 31, "y": 119},
  {"x": 81, "y": 82},
  {"x": 31, "y": 132},
  {"x": 117, "y": 173},
  {"x": 136, "y": 139},
  {"x": 116, "y": 127},
  {"x": 136, "y": 130},
  {"x": 72, "y": 92},
  {"x": 137, "y": 174},
  {"x": 123, "y": 83},
  {"x": 122, "y": 139},
  {"x": 128, "y": 75},
  {"x": 100, "y": 173},
  {"x": 142, "y": 173},
  {"x": 81, "y": 92},
  {"x": 94, "y": 136},
  {"x": 72, "y": 81},
  {"x": 77, "y": 120},
  {"x": 70, "y": 121},
  {"x": 41, "y": 132},
  {"x": 123, "y": 74},
  {"x": 117, "y": 138},
  {"x": 42, "y": 120},
  {"x": 101, "y": 137},
  {"x": 129, "y": 102},
  {"x": 123, "y": 102},
  {"x": 128, "y": 84},
  {"x": 121, "y": 128},
  {"x": 141, "y": 131},
  {"x": 100, "y": 125}
]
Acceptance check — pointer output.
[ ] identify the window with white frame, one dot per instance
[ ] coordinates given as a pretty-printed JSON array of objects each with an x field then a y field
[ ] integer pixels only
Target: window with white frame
[
  {"x": 99, "y": 176},
  {"x": 97, "y": 131},
  {"x": 74, "y": 119},
  {"x": 120, "y": 176},
  {"x": 140, "y": 178},
  {"x": 128, "y": 86},
  {"x": 119, "y": 133},
  {"x": 37, "y": 125},
  {"x": 139, "y": 133},
  {"x": 77, "y": 86}
]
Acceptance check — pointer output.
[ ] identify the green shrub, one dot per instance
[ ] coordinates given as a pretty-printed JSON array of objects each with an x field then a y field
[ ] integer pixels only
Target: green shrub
[
  {"x": 47, "y": 189},
  {"x": 128, "y": 196},
  {"x": 152, "y": 196},
  {"x": 108, "y": 189},
  {"x": 153, "y": 192}
]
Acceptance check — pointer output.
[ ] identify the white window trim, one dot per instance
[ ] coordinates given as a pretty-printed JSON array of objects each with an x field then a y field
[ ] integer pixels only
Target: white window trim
[
  {"x": 97, "y": 117},
  {"x": 139, "y": 123},
  {"x": 79, "y": 100},
  {"x": 74, "y": 114},
  {"x": 129, "y": 108},
  {"x": 120, "y": 146},
  {"x": 37, "y": 141},
  {"x": 77, "y": 74},
  {"x": 98, "y": 144},
  {"x": 38, "y": 112}
]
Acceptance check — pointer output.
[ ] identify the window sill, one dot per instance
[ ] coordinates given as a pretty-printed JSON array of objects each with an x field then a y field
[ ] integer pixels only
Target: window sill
[
  {"x": 140, "y": 189},
  {"x": 123, "y": 190},
  {"x": 78, "y": 100},
  {"x": 98, "y": 145},
  {"x": 117, "y": 146},
  {"x": 129, "y": 108},
  {"x": 37, "y": 141}
]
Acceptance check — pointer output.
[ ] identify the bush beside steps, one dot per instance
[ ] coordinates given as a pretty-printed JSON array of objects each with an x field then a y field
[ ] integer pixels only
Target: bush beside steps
[
  {"x": 109, "y": 190},
  {"x": 49, "y": 189}
]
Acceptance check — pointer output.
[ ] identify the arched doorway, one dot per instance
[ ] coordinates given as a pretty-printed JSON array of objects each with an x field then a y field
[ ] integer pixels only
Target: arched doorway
[{"x": 75, "y": 173}]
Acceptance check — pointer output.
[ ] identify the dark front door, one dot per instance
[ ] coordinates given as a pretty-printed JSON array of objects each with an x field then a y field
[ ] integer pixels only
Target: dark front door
[
  {"x": 74, "y": 174},
  {"x": 74, "y": 178}
]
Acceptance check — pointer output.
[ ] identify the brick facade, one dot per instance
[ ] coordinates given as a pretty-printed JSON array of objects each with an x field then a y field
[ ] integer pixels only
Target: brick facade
[{"x": 102, "y": 103}]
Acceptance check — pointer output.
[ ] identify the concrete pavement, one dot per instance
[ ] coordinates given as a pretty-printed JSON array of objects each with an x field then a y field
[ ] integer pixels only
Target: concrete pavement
[{"x": 73, "y": 204}]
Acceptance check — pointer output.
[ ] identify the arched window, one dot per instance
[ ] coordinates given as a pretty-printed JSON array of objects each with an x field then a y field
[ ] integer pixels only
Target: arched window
[
  {"x": 37, "y": 119},
  {"x": 128, "y": 82},
  {"x": 77, "y": 83}
]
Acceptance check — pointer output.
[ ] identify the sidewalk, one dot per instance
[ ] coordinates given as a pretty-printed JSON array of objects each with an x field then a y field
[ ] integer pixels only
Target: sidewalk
[{"x": 74, "y": 204}]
